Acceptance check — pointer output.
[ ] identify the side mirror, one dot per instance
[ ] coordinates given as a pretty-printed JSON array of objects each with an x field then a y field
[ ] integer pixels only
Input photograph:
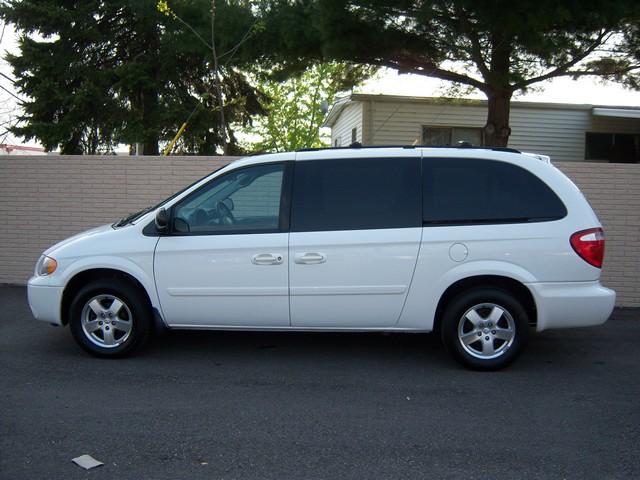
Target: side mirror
[{"x": 162, "y": 220}]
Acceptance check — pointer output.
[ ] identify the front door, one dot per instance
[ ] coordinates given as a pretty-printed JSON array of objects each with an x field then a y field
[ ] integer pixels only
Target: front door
[
  {"x": 224, "y": 262},
  {"x": 356, "y": 227}
]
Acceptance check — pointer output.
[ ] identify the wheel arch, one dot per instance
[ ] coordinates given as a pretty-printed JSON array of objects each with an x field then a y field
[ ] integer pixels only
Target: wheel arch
[
  {"x": 514, "y": 287},
  {"x": 83, "y": 277}
]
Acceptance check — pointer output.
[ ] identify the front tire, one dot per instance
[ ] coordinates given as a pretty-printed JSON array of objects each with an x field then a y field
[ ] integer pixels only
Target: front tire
[
  {"x": 110, "y": 318},
  {"x": 485, "y": 328}
]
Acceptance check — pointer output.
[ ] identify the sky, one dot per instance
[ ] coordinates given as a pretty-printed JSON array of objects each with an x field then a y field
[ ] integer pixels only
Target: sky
[{"x": 562, "y": 90}]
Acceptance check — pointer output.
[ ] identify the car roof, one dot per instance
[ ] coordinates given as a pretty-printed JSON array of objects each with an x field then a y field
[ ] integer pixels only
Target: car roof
[{"x": 500, "y": 154}]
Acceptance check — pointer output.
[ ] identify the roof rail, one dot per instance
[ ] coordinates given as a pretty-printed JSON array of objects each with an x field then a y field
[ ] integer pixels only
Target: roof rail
[{"x": 462, "y": 146}]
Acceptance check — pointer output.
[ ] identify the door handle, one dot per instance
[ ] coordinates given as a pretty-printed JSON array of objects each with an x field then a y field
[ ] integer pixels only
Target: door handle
[
  {"x": 267, "y": 259},
  {"x": 310, "y": 258}
]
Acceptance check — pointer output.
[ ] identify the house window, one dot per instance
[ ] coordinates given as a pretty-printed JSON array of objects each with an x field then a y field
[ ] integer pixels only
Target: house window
[
  {"x": 354, "y": 135},
  {"x": 445, "y": 136},
  {"x": 612, "y": 147}
]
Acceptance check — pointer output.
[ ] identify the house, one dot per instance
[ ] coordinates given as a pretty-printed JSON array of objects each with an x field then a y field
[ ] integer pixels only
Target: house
[
  {"x": 6, "y": 149},
  {"x": 565, "y": 132}
]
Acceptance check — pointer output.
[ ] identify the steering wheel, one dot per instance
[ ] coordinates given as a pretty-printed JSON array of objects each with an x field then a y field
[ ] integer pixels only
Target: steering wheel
[{"x": 224, "y": 214}]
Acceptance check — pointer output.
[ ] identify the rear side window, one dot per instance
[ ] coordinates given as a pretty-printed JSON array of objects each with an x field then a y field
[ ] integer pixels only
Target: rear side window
[
  {"x": 470, "y": 190},
  {"x": 356, "y": 194}
]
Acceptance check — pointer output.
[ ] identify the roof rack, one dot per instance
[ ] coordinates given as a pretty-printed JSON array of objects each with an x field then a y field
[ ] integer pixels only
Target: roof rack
[{"x": 462, "y": 146}]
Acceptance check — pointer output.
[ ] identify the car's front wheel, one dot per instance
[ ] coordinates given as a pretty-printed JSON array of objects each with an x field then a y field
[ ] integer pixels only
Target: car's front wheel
[
  {"x": 485, "y": 328},
  {"x": 109, "y": 318}
]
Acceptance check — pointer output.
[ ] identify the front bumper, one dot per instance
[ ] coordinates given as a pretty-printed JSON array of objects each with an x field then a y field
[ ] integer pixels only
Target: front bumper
[
  {"x": 44, "y": 301},
  {"x": 572, "y": 304}
]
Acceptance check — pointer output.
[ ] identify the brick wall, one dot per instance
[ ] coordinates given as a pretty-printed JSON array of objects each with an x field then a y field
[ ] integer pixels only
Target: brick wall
[
  {"x": 613, "y": 190},
  {"x": 44, "y": 199}
]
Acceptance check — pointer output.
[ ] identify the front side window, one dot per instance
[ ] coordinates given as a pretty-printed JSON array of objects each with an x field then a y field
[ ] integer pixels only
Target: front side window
[
  {"x": 474, "y": 190},
  {"x": 356, "y": 194},
  {"x": 247, "y": 199}
]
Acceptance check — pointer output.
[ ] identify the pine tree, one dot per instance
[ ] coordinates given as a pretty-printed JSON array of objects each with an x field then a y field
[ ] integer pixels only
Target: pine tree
[
  {"x": 97, "y": 73},
  {"x": 496, "y": 46}
]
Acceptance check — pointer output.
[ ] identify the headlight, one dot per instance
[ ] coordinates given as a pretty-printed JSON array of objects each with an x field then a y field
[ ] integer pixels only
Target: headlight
[{"x": 46, "y": 266}]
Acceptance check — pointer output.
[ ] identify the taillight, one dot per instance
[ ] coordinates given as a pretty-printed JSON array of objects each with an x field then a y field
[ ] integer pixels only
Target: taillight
[{"x": 589, "y": 244}]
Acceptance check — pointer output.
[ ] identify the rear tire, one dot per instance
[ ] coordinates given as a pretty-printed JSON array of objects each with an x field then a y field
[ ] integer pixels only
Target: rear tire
[
  {"x": 485, "y": 328},
  {"x": 110, "y": 318}
]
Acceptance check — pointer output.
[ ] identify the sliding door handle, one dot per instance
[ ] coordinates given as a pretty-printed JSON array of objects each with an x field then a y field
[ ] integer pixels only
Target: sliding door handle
[{"x": 310, "y": 258}]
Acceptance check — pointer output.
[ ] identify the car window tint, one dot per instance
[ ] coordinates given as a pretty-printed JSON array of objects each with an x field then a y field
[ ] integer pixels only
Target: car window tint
[
  {"x": 355, "y": 194},
  {"x": 460, "y": 190},
  {"x": 244, "y": 200}
]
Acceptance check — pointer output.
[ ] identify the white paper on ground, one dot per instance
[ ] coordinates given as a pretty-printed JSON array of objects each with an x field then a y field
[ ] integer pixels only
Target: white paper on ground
[{"x": 87, "y": 462}]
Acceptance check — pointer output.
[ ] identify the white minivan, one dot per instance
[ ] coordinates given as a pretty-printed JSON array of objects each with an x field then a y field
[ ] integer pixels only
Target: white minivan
[{"x": 481, "y": 245}]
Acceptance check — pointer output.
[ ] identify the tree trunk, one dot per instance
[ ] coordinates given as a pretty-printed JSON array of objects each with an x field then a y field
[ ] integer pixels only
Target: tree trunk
[
  {"x": 146, "y": 43},
  {"x": 498, "y": 91},
  {"x": 72, "y": 146},
  {"x": 151, "y": 134},
  {"x": 497, "y": 130}
]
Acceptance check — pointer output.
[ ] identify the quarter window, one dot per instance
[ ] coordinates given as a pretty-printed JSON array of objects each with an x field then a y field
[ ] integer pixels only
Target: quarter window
[
  {"x": 356, "y": 194},
  {"x": 244, "y": 200},
  {"x": 468, "y": 191}
]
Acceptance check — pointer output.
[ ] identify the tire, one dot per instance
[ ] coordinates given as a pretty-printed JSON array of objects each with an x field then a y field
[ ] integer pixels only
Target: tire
[
  {"x": 485, "y": 328},
  {"x": 110, "y": 318}
]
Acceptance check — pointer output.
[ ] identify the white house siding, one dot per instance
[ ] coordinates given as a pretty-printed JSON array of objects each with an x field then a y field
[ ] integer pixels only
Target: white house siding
[
  {"x": 350, "y": 118},
  {"x": 554, "y": 130},
  {"x": 400, "y": 123},
  {"x": 560, "y": 132},
  {"x": 557, "y": 132}
]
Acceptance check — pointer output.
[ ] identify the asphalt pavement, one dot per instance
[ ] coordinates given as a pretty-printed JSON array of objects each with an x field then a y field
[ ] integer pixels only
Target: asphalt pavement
[{"x": 220, "y": 405}]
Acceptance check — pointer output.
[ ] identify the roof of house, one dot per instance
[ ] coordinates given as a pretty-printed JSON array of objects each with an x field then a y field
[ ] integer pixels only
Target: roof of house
[
  {"x": 598, "y": 110},
  {"x": 25, "y": 148}
]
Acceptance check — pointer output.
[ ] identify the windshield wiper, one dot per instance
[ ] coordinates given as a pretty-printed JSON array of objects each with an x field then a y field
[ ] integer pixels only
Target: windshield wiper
[{"x": 131, "y": 217}]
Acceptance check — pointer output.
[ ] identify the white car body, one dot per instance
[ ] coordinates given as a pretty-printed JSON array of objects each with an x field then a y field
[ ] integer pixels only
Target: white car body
[{"x": 387, "y": 279}]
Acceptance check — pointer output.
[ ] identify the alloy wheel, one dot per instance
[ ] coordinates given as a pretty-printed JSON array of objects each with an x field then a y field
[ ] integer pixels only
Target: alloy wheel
[
  {"x": 486, "y": 331},
  {"x": 106, "y": 321}
]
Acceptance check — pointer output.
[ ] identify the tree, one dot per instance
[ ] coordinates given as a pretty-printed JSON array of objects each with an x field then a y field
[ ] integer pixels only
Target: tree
[
  {"x": 496, "y": 46},
  {"x": 102, "y": 72},
  {"x": 626, "y": 54},
  {"x": 294, "y": 106}
]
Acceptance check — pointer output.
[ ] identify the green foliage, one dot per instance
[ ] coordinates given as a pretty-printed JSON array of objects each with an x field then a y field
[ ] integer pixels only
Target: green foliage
[
  {"x": 495, "y": 46},
  {"x": 622, "y": 65},
  {"x": 97, "y": 73},
  {"x": 294, "y": 106}
]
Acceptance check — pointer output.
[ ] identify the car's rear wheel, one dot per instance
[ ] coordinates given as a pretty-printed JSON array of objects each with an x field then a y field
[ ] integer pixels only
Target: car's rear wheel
[
  {"x": 110, "y": 318},
  {"x": 485, "y": 328}
]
